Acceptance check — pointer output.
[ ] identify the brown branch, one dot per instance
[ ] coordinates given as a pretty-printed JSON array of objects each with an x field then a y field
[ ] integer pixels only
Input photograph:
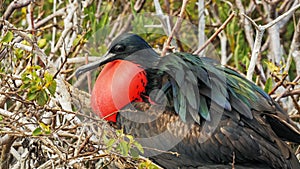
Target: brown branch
[
  {"x": 278, "y": 84},
  {"x": 297, "y": 107},
  {"x": 215, "y": 34},
  {"x": 6, "y": 152},
  {"x": 139, "y": 5},
  {"x": 12, "y": 7},
  {"x": 288, "y": 88},
  {"x": 85, "y": 142},
  {"x": 175, "y": 29},
  {"x": 60, "y": 68},
  {"x": 289, "y": 93}
]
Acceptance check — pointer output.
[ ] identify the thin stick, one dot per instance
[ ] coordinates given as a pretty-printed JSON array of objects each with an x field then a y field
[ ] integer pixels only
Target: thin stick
[
  {"x": 12, "y": 7},
  {"x": 215, "y": 34},
  {"x": 281, "y": 17},
  {"x": 280, "y": 83},
  {"x": 175, "y": 29},
  {"x": 288, "y": 88},
  {"x": 255, "y": 52}
]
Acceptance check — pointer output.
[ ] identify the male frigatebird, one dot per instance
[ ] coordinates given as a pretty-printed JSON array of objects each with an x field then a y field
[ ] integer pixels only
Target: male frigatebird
[{"x": 189, "y": 111}]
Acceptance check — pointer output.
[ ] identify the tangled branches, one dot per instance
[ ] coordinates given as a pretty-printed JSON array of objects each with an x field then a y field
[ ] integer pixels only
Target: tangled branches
[{"x": 45, "y": 136}]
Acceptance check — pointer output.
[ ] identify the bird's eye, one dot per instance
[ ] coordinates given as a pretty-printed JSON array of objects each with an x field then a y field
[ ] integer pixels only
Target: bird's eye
[{"x": 119, "y": 48}]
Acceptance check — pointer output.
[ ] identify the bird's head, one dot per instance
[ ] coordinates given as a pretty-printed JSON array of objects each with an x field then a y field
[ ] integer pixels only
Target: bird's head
[
  {"x": 128, "y": 46},
  {"x": 123, "y": 79}
]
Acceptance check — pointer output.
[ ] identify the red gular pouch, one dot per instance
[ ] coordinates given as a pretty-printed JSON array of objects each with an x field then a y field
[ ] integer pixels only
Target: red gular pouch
[{"x": 118, "y": 84}]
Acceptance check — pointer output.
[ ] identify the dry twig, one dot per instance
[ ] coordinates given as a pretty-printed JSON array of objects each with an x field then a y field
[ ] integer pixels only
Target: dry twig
[
  {"x": 175, "y": 29},
  {"x": 215, "y": 34},
  {"x": 258, "y": 38}
]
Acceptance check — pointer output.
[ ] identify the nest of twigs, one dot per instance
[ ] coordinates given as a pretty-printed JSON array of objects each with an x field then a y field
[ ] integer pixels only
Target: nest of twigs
[{"x": 49, "y": 136}]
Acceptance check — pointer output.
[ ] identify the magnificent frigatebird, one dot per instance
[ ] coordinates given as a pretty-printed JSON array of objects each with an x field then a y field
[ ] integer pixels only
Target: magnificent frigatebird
[{"x": 189, "y": 111}]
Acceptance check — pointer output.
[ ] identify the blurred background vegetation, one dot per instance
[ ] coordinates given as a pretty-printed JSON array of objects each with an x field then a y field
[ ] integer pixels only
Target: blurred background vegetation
[{"x": 43, "y": 42}]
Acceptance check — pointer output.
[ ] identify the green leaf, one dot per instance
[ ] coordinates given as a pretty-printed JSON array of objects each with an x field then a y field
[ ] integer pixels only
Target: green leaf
[
  {"x": 35, "y": 77},
  {"x": 37, "y": 131},
  {"x": 77, "y": 40},
  {"x": 19, "y": 53},
  {"x": 130, "y": 137},
  {"x": 272, "y": 67},
  {"x": 42, "y": 43},
  {"x": 31, "y": 95},
  {"x": 24, "y": 86},
  {"x": 7, "y": 37},
  {"x": 119, "y": 133},
  {"x": 48, "y": 77},
  {"x": 132, "y": 8},
  {"x": 42, "y": 98},
  {"x": 134, "y": 153},
  {"x": 110, "y": 143},
  {"x": 268, "y": 85},
  {"x": 124, "y": 147},
  {"x": 34, "y": 87},
  {"x": 26, "y": 80},
  {"x": 36, "y": 67},
  {"x": 139, "y": 146},
  {"x": 45, "y": 128},
  {"x": 1, "y": 118},
  {"x": 103, "y": 21},
  {"x": 147, "y": 164},
  {"x": 48, "y": 132},
  {"x": 52, "y": 87}
]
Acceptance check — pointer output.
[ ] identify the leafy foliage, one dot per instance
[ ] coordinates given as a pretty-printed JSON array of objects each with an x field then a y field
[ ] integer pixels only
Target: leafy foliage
[
  {"x": 7, "y": 37},
  {"x": 125, "y": 144},
  {"x": 43, "y": 129},
  {"x": 38, "y": 87}
]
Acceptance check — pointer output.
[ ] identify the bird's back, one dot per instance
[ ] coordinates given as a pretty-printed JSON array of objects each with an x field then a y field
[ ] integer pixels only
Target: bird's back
[{"x": 212, "y": 115}]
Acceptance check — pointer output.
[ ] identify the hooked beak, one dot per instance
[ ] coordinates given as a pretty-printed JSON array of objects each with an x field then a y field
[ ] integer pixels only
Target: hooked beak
[{"x": 108, "y": 57}]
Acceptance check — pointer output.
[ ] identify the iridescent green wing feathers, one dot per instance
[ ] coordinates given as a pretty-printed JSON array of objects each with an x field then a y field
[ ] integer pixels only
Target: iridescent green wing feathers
[{"x": 196, "y": 83}]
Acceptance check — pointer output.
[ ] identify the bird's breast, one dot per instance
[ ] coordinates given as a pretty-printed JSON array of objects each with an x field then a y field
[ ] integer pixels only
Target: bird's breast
[{"x": 119, "y": 83}]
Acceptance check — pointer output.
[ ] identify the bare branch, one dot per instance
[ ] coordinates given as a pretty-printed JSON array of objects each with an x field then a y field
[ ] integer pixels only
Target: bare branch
[
  {"x": 35, "y": 47},
  {"x": 288, "y": 88},
  {"x": 295, "y": 92},
  {"x": 258, "y": 39},
  {"x": 4, "y": 162},
  {"x": 175, "y": 29},
  {"x": 294, "y": 50},
  {"x": 201, "y": 24},
  {"x": 68, "y": 25},
  {"x": 280, "y": 17},
  {"x": 164, "y": 18},
  {"x": 215, "y": 34},
  {"x": 98, "y": 11},
  {"x": 16, "y": 4},
  {"x": 255, "y": 52},
  {"x": 247, "y": 26},
  {"x": 223, "y": 40},
  {"x": 285, "y": 20}
]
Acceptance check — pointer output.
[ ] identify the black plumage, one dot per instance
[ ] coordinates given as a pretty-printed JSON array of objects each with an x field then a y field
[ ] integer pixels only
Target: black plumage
[{"x": 206, "y": 113}]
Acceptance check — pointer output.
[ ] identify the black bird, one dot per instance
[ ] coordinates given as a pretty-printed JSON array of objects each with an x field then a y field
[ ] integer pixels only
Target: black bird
[{"x": 189, "y": 111}]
